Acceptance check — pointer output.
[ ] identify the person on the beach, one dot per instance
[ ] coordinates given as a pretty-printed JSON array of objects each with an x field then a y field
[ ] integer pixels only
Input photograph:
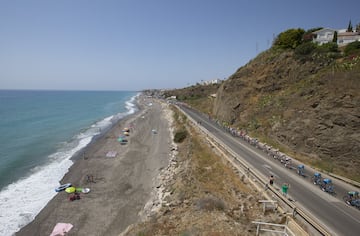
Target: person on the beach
[{"x": 75, "y": 196}]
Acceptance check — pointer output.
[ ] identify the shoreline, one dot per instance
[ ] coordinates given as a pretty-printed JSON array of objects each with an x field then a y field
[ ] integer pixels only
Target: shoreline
[
  {"x": 138, "y": 106},
  {"x": 123, "y": 184},
  {"x": 80, "y": 154}
]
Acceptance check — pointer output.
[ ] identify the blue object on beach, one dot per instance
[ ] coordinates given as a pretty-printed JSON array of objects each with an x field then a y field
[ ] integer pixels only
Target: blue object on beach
[{"x": 63, "y": 187}]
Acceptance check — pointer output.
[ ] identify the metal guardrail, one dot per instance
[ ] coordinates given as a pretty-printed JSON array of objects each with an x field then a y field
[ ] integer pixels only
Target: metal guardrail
[
  {"x": 296, "y": 210},
  {"x": 284, "y": 229},
  {"x": 346, "y": 180}
]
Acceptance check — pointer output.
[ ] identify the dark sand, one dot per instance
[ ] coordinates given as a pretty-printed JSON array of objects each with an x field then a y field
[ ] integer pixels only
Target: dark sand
[{"x": 123, "y": 183}]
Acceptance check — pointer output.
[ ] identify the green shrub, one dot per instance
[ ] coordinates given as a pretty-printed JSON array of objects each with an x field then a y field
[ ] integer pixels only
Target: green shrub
[
  {"x": 328, "y": 47},
  {"x": 305, "y": 48},
  {"x": 290, "y": 39},
  {"x": 180, "y": 136},
  {"x": 353, "y": 47}
]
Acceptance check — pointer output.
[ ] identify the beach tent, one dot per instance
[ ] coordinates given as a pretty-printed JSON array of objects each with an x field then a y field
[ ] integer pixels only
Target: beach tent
[
  {"x": 126, "y": 133},
  {"x": 70, "y": 190}
]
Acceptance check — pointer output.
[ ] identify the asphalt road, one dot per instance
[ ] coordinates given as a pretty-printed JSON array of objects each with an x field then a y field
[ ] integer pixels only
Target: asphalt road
[{"x": 331, "y": 211}]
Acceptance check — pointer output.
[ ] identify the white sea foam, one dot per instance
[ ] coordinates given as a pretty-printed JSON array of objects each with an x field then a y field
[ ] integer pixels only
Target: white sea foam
[
  {"x": 130, "y": 104},
  {"x": 21, "y": 201}
]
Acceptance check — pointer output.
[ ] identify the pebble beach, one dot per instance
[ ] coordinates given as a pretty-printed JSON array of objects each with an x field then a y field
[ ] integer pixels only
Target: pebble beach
[{"x": 122, "y": 180}]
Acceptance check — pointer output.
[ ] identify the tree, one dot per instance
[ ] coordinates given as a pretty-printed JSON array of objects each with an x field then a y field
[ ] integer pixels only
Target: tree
[
  {"x": 350, "y": 28},
  {"x": 335, "y": 37},
  {"x": 290, "y": 38}
]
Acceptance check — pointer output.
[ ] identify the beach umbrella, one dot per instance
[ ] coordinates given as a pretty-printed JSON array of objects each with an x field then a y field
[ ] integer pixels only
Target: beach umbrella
[
  {"x": 70, "y": 190},
  {"x": 126, "y": 133}
]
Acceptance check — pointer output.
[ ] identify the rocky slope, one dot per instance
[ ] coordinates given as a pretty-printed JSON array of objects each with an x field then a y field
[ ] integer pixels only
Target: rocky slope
[{"x": 307, "y": 107}]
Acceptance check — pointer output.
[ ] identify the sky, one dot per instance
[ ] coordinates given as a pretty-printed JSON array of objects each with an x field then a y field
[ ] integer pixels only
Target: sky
[{"x": 146, "y": 44}]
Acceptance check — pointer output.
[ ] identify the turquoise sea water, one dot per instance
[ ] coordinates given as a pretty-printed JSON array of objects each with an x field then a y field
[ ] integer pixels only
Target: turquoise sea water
[{"x": 39, "y": 132}]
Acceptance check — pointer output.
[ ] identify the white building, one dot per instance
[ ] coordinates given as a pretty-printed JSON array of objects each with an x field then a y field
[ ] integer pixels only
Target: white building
[
  {"x": 344, "y": 38},
  {"x": 323, "y": 36},
  {"x": 214, "y": 81},
  {"x": 326, "y": 35}
]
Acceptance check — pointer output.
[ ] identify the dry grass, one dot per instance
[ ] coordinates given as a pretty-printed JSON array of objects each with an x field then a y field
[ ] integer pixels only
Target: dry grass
[{"x": 208, "y": 196}]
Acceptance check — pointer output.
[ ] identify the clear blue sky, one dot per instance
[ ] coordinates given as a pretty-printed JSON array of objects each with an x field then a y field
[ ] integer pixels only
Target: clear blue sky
[{"x": 140, "y": 44}]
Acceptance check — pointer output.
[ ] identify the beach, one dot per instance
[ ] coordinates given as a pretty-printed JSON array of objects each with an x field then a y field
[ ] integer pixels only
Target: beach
[{"x": 120, "y": 185}]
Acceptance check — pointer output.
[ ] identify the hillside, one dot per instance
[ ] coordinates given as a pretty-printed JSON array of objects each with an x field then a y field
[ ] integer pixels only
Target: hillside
[{"x": 305, "y": 104}]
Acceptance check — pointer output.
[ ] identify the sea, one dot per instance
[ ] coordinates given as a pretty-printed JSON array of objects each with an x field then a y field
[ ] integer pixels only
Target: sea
[{"x": 40, "y": 131}]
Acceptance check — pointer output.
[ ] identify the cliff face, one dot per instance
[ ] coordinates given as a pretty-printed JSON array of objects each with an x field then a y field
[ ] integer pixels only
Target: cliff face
[{"x": 311, "y": 107}]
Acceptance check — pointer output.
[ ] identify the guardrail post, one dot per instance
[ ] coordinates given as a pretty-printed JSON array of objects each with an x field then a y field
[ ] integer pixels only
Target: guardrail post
[
  {"x": 258, "y": 230},
  {"x": 294, "y": 212}
]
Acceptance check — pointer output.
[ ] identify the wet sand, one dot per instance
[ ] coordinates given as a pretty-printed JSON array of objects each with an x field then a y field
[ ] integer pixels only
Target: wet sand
[{"x": 123, "y": 184}]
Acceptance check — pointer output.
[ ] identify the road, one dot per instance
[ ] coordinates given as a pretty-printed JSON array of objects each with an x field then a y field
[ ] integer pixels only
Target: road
[{"x": 330, "y": 211}]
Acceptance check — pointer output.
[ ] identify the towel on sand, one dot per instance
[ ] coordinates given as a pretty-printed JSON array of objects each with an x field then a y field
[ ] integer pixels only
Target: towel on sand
[
  {"x": 61, "y": 229},
  {"x": 111, "y": 154}
]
